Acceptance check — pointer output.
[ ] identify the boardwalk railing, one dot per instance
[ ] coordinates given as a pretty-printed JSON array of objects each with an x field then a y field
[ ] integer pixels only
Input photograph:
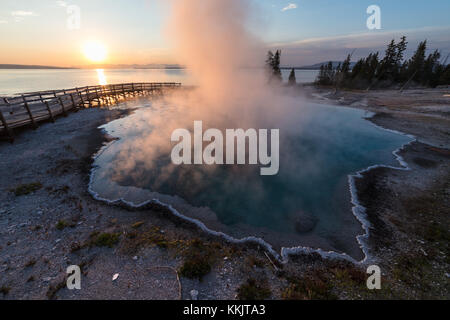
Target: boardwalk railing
[{"x": 31, "y": 108}]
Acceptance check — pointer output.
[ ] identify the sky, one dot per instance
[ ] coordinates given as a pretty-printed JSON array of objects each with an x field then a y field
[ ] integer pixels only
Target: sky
[{"x": 133, "y": 31}]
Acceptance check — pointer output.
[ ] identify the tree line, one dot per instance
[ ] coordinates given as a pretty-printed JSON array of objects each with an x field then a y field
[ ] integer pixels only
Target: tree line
[{"x": 391, "y": 70}]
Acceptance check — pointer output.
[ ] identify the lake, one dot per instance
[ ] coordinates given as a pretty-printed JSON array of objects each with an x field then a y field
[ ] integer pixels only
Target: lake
[{"x": 20, "y": 81}]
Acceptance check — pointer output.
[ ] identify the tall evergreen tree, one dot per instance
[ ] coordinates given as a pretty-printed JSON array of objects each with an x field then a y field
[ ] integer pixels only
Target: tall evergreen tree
[
  {"x": 416, "y": 64},
  {"x": 273, "y": 65},
  {"x": 292, "y": 78},
  {"x": 431, "y": 69}
]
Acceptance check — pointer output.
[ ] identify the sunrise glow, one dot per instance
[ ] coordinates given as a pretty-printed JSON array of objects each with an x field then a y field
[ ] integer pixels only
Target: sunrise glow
[{"x": 95, "y": 52}]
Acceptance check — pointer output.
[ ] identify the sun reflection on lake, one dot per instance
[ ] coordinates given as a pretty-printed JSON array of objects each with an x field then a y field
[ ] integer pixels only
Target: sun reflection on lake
[{"x": 101, "y": 77}]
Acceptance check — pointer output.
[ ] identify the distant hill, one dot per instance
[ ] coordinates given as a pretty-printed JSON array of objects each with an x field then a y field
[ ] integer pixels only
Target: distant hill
[
  {"x": 318, "y": 65},
  {"x": 23, "y": 66}
]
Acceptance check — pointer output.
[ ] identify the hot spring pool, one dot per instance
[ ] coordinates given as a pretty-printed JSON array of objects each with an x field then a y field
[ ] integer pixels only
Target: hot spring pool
[{"x": 307, "y": 204}]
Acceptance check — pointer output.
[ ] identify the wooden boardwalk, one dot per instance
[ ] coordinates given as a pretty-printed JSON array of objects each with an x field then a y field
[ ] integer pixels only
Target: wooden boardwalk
[{"x": 31, "y": 108}]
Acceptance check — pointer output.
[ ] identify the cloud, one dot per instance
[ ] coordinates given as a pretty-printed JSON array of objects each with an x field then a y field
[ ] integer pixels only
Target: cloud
[
  {"x": 61, "y": 3},
  {"x": 290, "y": 6},
  {"x": 3, "y": 22},
  {"x": 21, "y": 13}
]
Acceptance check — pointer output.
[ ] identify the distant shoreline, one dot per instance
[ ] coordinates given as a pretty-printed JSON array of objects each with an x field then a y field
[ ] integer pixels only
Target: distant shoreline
[{"x": 31, "y": 67}]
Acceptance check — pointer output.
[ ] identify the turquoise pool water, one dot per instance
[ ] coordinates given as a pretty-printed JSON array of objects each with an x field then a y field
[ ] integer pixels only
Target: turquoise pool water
[{"x": 307, "y": 204}]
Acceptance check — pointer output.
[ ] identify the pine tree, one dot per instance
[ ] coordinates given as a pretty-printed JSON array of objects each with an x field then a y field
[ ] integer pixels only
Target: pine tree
[
  {"x": 292, "y": 78},
  {"x": 330, "y": 73},
  {"x": 416, "y": 64},
  {"x": 388, "y": 64},
  {"x": 431, "y": 70},
  {"x": 401, "y": 48},
  {"x": 273, "y": 65},
  {"x": 321, "y": 76}
]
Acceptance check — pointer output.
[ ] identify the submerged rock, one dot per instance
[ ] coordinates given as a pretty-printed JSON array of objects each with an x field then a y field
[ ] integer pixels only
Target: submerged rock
[{"x": 304, "y": 222}]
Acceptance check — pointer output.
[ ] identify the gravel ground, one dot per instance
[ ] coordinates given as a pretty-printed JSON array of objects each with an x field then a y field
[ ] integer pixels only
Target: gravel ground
[{"x": 49, "y": 221}]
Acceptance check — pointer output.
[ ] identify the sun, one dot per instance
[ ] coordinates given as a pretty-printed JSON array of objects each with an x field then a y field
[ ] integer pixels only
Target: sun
[{"x": 95, "y": 51}]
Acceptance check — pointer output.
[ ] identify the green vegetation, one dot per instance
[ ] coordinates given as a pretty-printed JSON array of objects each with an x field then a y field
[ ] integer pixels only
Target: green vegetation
[
  {"x": 62, "y": 224},
  {"x": 105, "y": 239},
  {"x": 392, "y": 70},
  {"x": 198, "y": 261},
  {"x": 255, "y": 262},
  {"x": 5, "y": 290},
  {"x": 308, "y": 288},
  {"x": 273, "y": 66},
  {"x": 135, "y": 240},
  {"x": 137, "y": 225},
  {"x": 254, "y": 290},
  {"x": 25, "y": 189}
]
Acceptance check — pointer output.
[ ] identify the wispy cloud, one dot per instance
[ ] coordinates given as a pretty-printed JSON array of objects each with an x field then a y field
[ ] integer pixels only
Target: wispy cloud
[
  {"x": 20, "y": 15},
  {"x": 290, "y": 6},
  {"x": 61, "y": 3}
]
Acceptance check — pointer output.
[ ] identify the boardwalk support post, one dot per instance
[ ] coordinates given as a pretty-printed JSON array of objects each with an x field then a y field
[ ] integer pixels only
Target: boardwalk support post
[
  {"x": 49, "y": 112},
  {"x": 7, "y": 129},
  {"x": 27, "y": 107},
  {"x": 62, "y": 107}
]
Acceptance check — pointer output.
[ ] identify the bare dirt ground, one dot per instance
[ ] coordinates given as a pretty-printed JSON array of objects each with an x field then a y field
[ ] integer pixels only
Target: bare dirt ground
[{"x": 49, "y": 221}]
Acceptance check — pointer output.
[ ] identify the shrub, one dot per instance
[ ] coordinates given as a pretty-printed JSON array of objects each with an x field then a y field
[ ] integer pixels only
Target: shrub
[{"x": 254, "y": 290}]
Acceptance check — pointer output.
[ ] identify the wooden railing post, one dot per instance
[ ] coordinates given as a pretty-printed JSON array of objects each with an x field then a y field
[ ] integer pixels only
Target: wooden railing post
[
  {"x": 62, "y": 107},
  {"x": 5, "y": 125},
  {"x": 98, "y": 97},
  {"x": 73, "y": 101},
  {"x": 80, "y": 94},
  {"x": 49, "y": 111},
  {"x": 27, "y": 107},
  {"x": 123, "y": 91},
  {"x": 88, "y": 96}
]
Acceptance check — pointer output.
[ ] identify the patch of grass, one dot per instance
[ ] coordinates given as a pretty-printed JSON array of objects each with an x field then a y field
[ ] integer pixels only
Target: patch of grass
[
  {"x": 135, "y": 240},
  {"x": 255, "y": 262},
  {"x": 26, "y": 189},
  {"x": 435, "y": 232},
  {"x": 5, "y": 290},
  {"x": 198, "y": 260},
  {"x": 350, "y": 275},
  {"x": 254, "y": 290},
  {"x": 308, "y": 288},
  {"x": 62, "y": 224},
  {"x": 410, "y": 268},
  {"x": 137, "y": 225},
  {"x": 196, "y": 266},
  {"x": 107, "y": 240}
]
